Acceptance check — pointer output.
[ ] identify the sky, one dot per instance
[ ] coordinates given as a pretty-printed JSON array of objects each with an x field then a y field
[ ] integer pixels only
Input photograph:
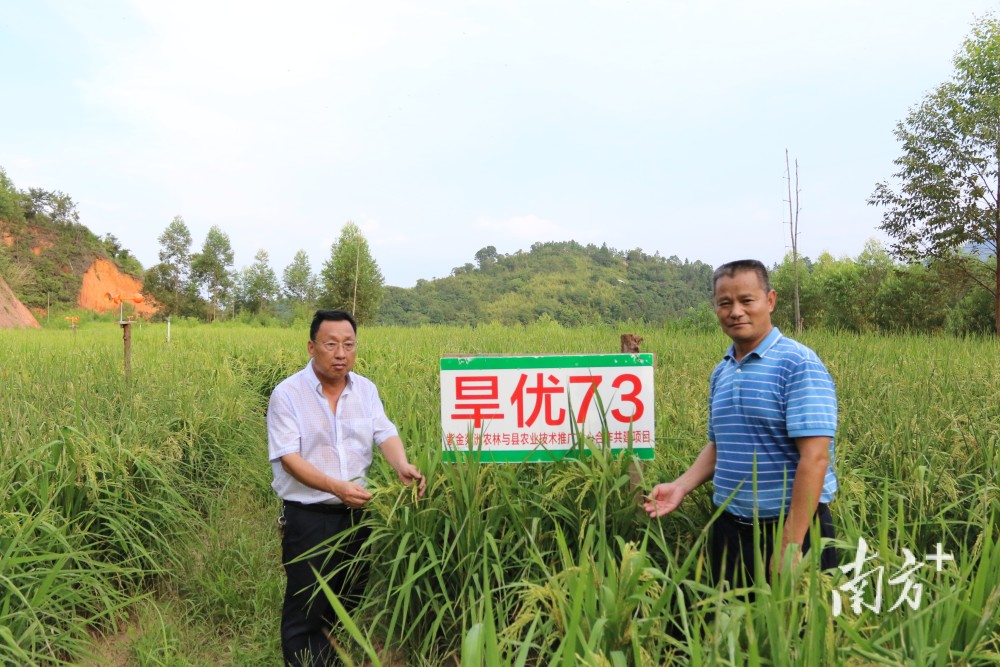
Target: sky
[{"x": 440, "y": 128}]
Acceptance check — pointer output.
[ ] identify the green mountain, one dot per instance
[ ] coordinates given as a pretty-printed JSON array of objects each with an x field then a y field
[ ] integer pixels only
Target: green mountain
[{"x": 568, "y": 282}]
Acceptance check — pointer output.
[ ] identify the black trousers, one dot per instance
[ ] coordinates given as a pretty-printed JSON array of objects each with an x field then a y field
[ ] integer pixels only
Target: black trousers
[
  {"x": 306, "y": 613},
  {"x": 731, "y": 546}
]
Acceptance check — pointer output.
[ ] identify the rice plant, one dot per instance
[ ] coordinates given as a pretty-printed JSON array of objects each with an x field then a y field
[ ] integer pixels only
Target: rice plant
[{"x": 141, "y": 509}]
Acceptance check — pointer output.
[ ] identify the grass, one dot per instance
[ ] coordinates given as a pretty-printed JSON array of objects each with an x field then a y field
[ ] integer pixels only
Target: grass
[{"x": 139, "y": 521}]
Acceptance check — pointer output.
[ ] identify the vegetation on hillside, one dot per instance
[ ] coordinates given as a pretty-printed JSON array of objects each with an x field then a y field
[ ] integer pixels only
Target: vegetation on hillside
[
  {"x": 44, "y": 249},
  {"x": 574, "y": 285},
  {"x": 563, "y": 281},
  {"x": 875, "y": 293}
]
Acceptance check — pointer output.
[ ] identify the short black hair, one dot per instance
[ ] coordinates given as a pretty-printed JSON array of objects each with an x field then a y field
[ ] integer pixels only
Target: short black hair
[
  {"x": 330, "y": 316},
  {"x": 730, "y": 269}
]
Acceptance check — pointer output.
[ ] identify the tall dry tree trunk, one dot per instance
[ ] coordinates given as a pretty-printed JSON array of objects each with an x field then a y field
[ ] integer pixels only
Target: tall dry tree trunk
[
  {"x": 793, "y": 221},
  {"x": 357, "y": 271},
  {"x": 996, "y": 270}
]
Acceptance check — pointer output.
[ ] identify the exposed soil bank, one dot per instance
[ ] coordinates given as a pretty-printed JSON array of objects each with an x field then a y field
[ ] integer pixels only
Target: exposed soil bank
[{"x": 102, "y": 278}]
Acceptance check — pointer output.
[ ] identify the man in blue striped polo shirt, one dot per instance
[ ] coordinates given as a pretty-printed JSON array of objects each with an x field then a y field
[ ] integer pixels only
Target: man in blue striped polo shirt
[{"x": 772, "y": 418}]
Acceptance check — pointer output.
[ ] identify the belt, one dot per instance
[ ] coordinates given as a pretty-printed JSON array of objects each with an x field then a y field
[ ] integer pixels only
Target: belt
[
  {"x": 321, "y": 508},
  {"x": 748, "y": 522}
]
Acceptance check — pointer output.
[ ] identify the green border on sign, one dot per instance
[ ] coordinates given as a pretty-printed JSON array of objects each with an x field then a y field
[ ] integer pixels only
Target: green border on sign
[
  {"x": 472, "y": 363},
  {"x": 454, "y": 455}
]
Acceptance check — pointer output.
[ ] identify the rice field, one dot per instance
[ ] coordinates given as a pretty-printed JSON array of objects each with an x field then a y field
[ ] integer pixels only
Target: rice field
[{"x": 137, "y": 526}]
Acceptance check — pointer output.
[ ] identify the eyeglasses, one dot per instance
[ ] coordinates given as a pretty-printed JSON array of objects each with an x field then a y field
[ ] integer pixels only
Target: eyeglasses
[{"x": 348, "y": 346}]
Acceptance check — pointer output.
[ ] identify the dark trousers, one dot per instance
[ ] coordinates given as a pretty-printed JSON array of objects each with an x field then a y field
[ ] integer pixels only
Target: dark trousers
[
  {"x": 306, "y": 613},
  {"x": 731, "y": 546}
]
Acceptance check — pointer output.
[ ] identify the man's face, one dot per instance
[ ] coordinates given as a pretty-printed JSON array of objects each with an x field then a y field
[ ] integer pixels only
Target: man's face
[
  {"x": 744, "y": 308},
  {"x": 334, "y": 350}
]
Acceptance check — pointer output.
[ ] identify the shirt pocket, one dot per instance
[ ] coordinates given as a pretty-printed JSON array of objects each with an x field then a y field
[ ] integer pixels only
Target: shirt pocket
[
  {"x": 764, "y": 407},
  {"x": 357, "y": 437}
]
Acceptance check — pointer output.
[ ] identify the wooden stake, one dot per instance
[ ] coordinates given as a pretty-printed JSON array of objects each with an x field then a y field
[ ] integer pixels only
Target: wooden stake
[
  {"x": 127, "y": 342},
  {"x": 630, "y": 343}
]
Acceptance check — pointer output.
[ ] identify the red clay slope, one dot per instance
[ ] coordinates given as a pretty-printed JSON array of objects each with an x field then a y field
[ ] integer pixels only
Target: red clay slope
[
  {"x": 103, "y": 277},
  {"x": 13, "y": 314}
]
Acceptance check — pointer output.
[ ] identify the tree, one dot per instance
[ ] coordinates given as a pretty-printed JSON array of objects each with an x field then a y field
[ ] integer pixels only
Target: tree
[
  {"x": 486, "y": 257},
  {"x": 158, "y": 284},
  {"x": 914, "y": 298},
  {"x": 258, "y": 284},
  {"x": 54, "y": 205},
  {"x": 873, "y": 266},
  {"x": 11, "y": 208},
  {"x": 125, "y": 259},
  {"x": 836, "y": 281},
  {"x": 298, "y": 279},
  {"x": 351, "y": 279},
  {"x": 175, "y": 247},
  {"x": 173, "y": 273},
  {"x": 949, "y": 172},
  {"x": 793, "y": 223},
  {"x": 210, "y": 268},
  {"x": 790, "y": 274}
]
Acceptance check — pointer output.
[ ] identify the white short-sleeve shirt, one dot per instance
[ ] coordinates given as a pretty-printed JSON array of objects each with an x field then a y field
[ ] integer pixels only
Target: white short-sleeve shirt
[{"x": 300, "y": 421}]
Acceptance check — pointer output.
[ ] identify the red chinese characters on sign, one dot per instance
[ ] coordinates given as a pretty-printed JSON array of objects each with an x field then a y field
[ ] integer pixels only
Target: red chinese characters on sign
[
  {"x": 477, "y": 398},
  {"x": 542, "y": 390},
  {"x": 478, "y": 395},
  {"x": 541, "y": 395},
  {"x": 540, "y": 408}
]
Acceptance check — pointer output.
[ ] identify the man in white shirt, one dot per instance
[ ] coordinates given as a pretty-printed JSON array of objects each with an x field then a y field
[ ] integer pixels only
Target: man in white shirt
[{"x": 322, "y": 424}]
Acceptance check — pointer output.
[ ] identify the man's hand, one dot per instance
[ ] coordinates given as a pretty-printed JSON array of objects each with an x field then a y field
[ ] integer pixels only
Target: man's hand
[
  {"x": 410, "y": 473},
  {"x": 664, "y": 499},
  {"x": 392, "y": 449},
  {"x": 785, "y": 560},
  {"x": 353, "y": 495}
]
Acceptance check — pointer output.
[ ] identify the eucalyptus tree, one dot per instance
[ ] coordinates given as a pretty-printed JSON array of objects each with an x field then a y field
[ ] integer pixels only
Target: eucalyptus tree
[
  {"x": 350, "y": 279},
  {"x": 257, "y": 284},
  {"x": 210, "y": 269},
  {"x": 298, "y": 280},
  {"x": 171, "y": 277}
]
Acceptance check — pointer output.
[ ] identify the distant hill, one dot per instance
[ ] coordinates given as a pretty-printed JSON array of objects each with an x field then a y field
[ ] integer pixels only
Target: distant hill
[
  {"x": 48, "y": 258},
  {"x": 45, "y": 252},
  {"x": 565, "y": 281}
]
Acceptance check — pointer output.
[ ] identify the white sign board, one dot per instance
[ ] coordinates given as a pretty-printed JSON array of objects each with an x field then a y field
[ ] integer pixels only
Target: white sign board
[{"x": 538, "y": 408}]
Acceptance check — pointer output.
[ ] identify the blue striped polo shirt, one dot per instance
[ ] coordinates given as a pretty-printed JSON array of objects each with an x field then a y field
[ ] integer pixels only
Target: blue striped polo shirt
[{"x": 757, "y": 407}]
